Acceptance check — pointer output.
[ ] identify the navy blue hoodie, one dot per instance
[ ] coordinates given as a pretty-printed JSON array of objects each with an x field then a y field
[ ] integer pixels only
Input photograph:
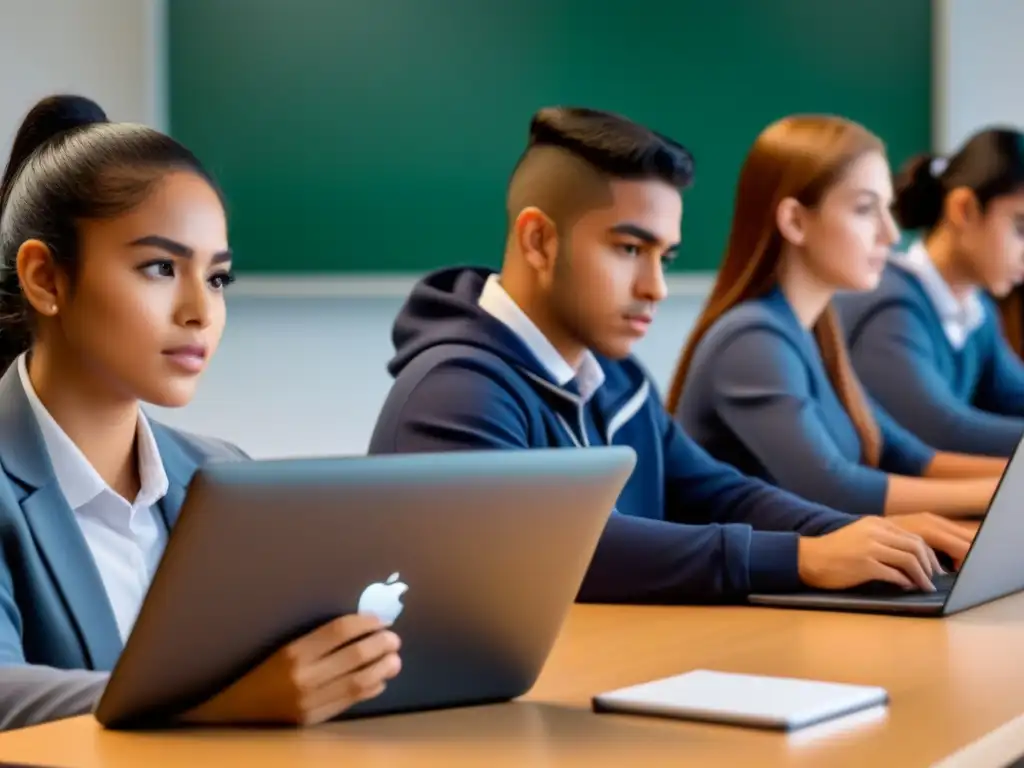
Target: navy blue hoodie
[{"x": 684, "y": 526}]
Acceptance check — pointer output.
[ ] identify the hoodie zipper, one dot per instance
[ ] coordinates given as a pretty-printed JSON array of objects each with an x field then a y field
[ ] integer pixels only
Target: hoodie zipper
[
  {"x": 617, "y": 421},
  {"x": 628, "y": 411}
]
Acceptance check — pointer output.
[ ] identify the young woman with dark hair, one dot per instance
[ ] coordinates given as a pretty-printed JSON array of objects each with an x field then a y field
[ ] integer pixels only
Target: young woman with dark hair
[
  {"x": 929, "y": 343},
  {"x": 114, "y": 258}
]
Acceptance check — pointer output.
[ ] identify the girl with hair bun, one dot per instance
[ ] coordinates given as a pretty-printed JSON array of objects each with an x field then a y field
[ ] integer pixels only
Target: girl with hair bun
[{"x": 928, "y": 344}]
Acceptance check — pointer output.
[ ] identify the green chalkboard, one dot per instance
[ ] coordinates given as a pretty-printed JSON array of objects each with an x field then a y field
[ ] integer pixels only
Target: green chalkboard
[{"x": 376, "y": 136}]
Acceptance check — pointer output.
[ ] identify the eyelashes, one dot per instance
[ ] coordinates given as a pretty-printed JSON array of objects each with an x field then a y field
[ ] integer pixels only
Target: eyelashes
[
  {"x": 224, "y": 279},
  {"x": 165, "y": 269}
]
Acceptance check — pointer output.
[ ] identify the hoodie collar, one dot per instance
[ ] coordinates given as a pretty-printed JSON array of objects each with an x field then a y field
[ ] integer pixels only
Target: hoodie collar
[
  {"x": 494, "y": 300},
  {"x": 444, "y": 308}
]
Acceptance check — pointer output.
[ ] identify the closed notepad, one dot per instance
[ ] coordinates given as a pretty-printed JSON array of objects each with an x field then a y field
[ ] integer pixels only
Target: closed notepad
[{"x": 750, "y": 700}]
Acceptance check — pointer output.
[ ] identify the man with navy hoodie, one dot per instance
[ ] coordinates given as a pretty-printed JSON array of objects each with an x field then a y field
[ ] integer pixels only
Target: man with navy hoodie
[{"x": 539, "y": 356}]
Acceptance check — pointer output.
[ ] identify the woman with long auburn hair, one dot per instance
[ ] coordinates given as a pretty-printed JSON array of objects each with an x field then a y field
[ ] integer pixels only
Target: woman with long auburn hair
[{"x": 765, "y": 382}]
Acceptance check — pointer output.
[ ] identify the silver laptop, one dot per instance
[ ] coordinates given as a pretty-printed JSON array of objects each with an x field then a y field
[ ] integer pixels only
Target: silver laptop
[
  {"x": 993, "y": 568},
  {"x": 479, "y": 557}
]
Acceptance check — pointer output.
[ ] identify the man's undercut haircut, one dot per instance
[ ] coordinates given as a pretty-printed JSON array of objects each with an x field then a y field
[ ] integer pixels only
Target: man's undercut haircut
[{"x": 573, "y": 153}]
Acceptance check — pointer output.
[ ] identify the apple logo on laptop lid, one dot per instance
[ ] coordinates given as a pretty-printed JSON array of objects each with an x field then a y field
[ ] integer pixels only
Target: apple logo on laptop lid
[{"x": 383, "y": 599}]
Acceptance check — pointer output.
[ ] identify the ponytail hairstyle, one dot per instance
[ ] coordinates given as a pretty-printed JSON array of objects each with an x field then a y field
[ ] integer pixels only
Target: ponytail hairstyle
[
  {"x": 990, "y": 164},
  {"x": 68, "y": 164},
  {"x": 800, "y": 157}
]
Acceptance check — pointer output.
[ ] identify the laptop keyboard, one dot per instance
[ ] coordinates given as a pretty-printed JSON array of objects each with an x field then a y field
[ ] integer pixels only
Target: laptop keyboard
[{"x": 943, "y": 584}]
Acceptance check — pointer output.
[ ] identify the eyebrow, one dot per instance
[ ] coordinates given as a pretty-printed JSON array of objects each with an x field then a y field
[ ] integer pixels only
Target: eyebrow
[
  {"x": 175, "y": 248},
  {"x": 640, "y": 233},
  {"x": 888, "y": 204}
]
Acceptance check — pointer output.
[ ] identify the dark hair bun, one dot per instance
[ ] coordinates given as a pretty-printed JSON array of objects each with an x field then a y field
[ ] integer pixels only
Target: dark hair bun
[
  {"x": 919, "y": 194},
  {"x": 56, "y": 114},
  {"x": 48, "y": 119}
]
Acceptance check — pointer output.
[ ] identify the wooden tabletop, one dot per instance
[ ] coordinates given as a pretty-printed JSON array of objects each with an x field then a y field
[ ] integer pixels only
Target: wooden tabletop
[{"x": 952, "y": 682}]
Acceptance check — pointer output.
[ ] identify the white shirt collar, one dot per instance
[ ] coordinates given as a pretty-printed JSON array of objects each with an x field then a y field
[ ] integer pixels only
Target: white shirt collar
[
  {"x": 960, "y": 318},
  {"x": 494, "y": 300},
  {"x": 78, "y": 480}
]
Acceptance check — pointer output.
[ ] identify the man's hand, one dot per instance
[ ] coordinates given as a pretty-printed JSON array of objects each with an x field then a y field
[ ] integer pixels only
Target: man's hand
[
  {"x": 953, "y": 537},
  {"x": 870, "y": 549}
]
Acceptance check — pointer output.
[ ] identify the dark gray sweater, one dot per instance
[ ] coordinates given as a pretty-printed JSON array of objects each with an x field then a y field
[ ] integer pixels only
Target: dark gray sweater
[{"x": 758, "y": 397}]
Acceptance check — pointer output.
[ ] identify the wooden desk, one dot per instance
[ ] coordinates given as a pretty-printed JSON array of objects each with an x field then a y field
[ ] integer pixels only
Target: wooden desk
[{"x": 952, "y": 681}]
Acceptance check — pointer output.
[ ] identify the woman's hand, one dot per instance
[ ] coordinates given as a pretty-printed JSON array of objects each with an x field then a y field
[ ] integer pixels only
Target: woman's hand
[{"x": 312, "y": 679}]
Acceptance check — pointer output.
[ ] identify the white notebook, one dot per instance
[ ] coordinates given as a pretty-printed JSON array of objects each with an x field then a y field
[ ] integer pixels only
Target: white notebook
[{"x": 751, "y": 700}]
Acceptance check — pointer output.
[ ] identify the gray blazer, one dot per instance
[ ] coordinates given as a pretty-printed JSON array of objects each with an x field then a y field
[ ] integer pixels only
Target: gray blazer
[{"x": 58, "y": 636}]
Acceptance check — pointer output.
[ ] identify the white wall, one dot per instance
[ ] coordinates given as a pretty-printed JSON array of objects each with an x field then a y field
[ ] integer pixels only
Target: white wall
[
  {"x": 109, "y": 50},
  {"x": 979, "y": 47}
]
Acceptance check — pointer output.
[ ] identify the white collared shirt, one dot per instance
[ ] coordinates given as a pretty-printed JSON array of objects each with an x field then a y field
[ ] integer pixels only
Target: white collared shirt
[
  {"x": 494, "y": 300},
  {"x": 126, "y": 540},
  {"x": 960, "y": 317}
]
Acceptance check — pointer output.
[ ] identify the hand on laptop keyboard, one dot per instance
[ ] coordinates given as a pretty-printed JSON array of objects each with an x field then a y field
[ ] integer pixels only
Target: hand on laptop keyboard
[
  {"x": 942, "y": 583},
  {"x": 950, "y": 537},
  {"x": 869, "y": 549}
]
